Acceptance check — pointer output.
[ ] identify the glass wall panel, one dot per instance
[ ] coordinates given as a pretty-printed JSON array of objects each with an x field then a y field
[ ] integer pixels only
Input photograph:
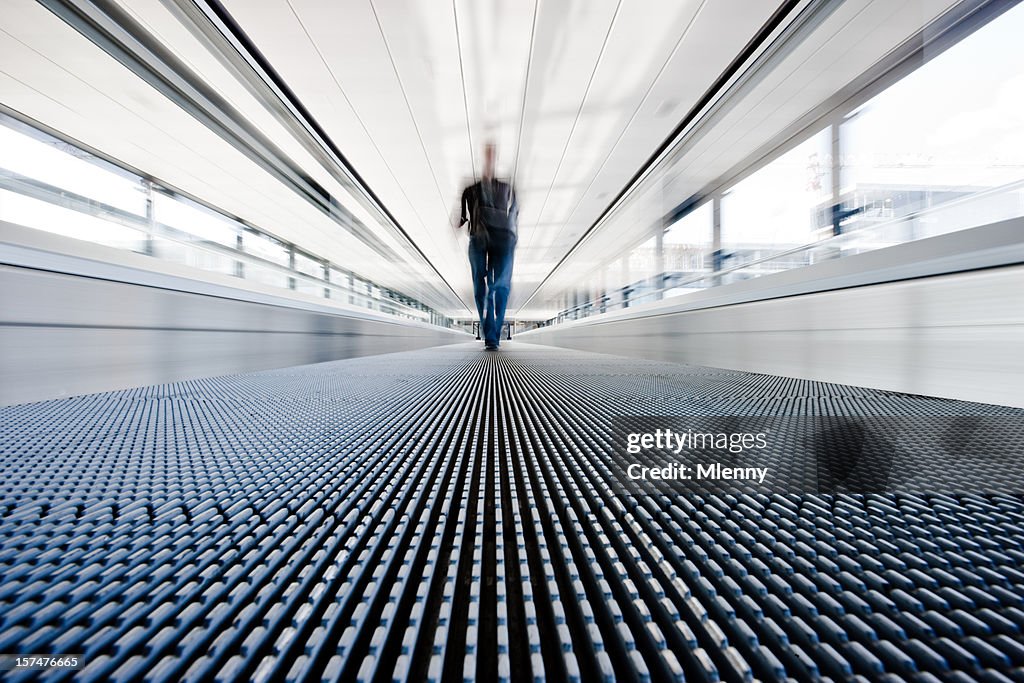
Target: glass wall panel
[
  {"x": 644, "y": 268},
  {"x": 56, "y": 164},
  {"x": 42, "y": 215},
  {"x": 47, "y": 184},
  {"x": 311, "y": 267},
  {"x": 777, "y": 207},
  {"x": 266, "y": 276},
  {"x": 311, "y": 287},
  {"x": 193, "y": 256},
  {"x": 942, "y": 149},
  {"x": 265, "y": 248},
  {"x": 181, "y": 215},
  {"x": 339, "y": 278},
  {"x": 687, "y": 248}
]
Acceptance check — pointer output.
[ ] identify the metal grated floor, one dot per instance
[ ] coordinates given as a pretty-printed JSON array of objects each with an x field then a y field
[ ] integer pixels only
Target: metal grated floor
[{"x": 446, "y": 514}]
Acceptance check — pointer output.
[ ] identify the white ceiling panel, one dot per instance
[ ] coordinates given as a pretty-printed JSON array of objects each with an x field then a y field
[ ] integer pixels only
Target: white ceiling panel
[
  {"x": 158, "y": 18},
  {"x": 350, "y": 65},
  {"x": 561, "y": 85},
  {"x": 704, "y": 38}
]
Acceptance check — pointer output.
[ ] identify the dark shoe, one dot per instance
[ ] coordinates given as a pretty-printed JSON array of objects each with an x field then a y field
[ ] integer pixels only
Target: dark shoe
[{"x": 490, "y": 347}]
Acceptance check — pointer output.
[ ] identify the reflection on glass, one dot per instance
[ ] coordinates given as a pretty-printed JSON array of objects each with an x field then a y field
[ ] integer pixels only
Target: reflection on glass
[
  {"x": 266, "y": 276},
  {"x": 644, "y": 265},
  {"x": 265, "y": 248},
  {"x": 194, "y": 257},
  {"x": 308, "y": 266}
]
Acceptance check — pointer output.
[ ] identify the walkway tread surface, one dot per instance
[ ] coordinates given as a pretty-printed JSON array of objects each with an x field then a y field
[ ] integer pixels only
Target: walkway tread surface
[{"x": 450, "y": 513}]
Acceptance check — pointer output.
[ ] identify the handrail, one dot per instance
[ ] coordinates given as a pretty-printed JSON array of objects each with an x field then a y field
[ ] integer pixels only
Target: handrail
[
  {"x": 36, "y": 189},
  {"x": 820, "y": 244}
]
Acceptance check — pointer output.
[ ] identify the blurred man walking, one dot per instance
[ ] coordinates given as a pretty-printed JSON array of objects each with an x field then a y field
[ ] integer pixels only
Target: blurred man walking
[{"x": 492, "y": 212}]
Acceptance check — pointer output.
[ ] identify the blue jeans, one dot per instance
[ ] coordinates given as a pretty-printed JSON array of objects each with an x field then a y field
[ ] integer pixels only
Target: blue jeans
[{"x": 490, "y": 258}]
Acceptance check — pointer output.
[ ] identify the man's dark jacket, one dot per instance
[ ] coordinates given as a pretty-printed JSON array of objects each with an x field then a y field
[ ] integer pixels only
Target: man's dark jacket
[{"x": 490, "y": 205}]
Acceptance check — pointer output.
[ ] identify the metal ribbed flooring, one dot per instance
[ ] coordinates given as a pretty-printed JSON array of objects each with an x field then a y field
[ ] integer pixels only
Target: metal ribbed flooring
[{"x": 446, "y": 514}]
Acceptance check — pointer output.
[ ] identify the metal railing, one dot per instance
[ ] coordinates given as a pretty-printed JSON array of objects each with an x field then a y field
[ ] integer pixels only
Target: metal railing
[
  {"x": 506, "y": 330},
  {"x": 990, "y": 205}
]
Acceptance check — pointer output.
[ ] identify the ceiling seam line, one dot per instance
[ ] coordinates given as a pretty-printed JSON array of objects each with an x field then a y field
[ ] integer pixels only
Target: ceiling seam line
[
  {"x": 576, "y": 120},
  {"x": 224, "y": 25},
  {"x": 412, "y": 115},
  {"x": 465, "y": 96},
  {"x": 355, "y": 111},
  {"x": 362, "y": 124},
  {"x": 526, "y": 91},
  {"x": 636, "y": 111}
]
